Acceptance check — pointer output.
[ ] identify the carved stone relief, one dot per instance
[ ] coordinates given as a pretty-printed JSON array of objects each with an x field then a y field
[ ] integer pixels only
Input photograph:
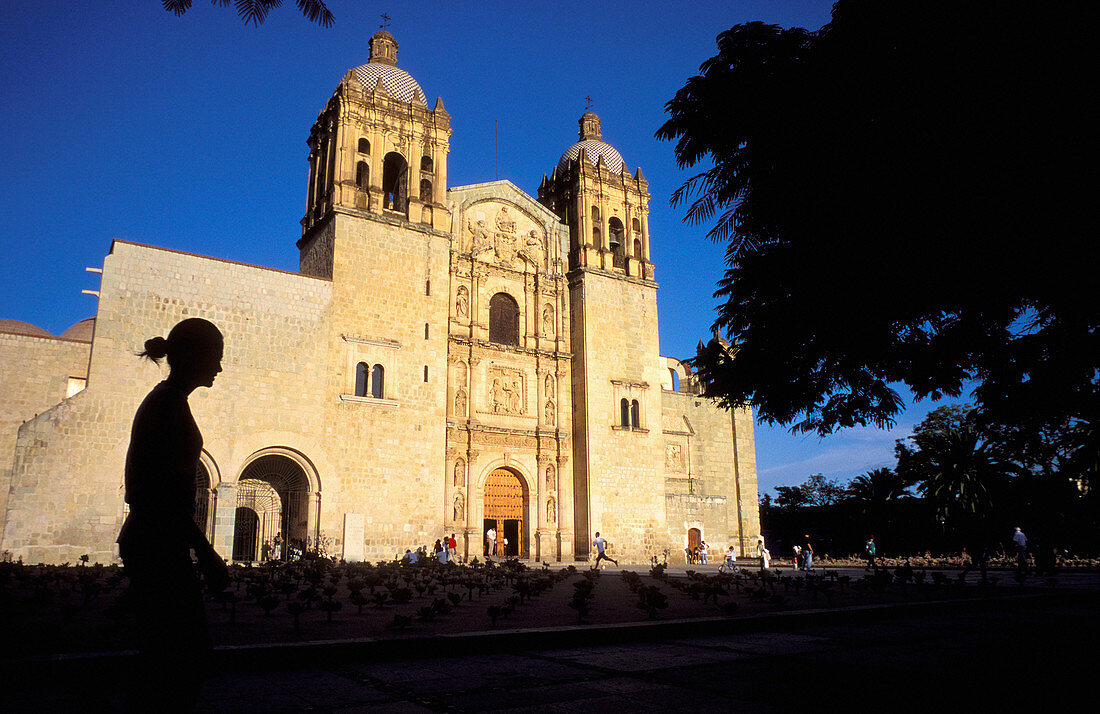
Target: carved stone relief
[
  {"x": 548, "y": 413},
  {"x": 551, "y": 511},
  {"x": 460, "y": 473},
  {"x": 549, "y": 385},
  {"x": 460, "y": 510},
  {"x": 496, "y": 234},
  {"x": 551, "y": 478},
  {"x": 674, "y": 457},
  {"x": 460, "y": 403},
  {"x": 507, "y": 391}
]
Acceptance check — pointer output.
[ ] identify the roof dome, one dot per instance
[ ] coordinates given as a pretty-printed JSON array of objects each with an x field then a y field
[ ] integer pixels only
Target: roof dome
[
  {"x": 81, "y": 331},
  {"x": 591, "y": 140},
  {"x": 399, "y": 84},
  {"x": 18, "y": 327}
]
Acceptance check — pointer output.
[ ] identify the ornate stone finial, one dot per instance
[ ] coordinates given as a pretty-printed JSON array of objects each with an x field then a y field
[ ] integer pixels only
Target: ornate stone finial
[
  {"x": 383, "y": 48},
  {"x": 590, "y": 126}
]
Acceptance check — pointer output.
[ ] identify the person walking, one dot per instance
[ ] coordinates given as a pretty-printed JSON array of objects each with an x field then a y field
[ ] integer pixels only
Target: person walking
[
  {"x": 160, "y": 533},
  {"x": 703, "y": 553},
  {"x": 869, "y": 553},
  {"x": 1020, "y": 540},
  {"x": 797, "y": 556},
  {"x": 807, "y": 554},
  {"x": 763, "y": 553},
  {"x": 601, "y": 551},
  {"x": 491, "y": 537},
  {"x": 452, "y": 548}
]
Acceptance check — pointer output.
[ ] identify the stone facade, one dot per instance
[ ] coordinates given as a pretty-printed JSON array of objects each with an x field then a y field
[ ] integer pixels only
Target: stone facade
[{"x": 444, "y": 361}]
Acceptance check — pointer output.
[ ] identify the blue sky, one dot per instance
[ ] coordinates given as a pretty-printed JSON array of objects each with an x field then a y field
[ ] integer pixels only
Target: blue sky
[{"x": 121, "y": 120}]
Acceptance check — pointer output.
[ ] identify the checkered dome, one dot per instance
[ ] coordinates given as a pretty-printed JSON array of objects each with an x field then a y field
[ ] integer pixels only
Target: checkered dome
[
  {"x": 593, "y": 149},
  {"x": 398, "y": 83}
]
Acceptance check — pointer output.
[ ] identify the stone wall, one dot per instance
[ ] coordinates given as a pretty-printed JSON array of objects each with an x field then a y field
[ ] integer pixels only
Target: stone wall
[
  {"x": 34, "y": 377},
  {"x": 66, "y": 495}
]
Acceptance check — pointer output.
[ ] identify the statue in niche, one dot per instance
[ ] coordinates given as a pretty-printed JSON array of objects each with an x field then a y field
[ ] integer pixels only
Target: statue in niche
[
  {"x": 549, "y": 385},
  {"x": 551, "y": 511},
  {"x": 548, "y": 320},
  {"x": 460, "y": 473},
  {"x": 460, "y": 372},
  {"x": 548, "y": 415},
  {"x": 551, "y": 479},
  {"x": 462, "y": 303},
  {"x": 460, "y": 403},
  {"x": 460, "y": 512}
]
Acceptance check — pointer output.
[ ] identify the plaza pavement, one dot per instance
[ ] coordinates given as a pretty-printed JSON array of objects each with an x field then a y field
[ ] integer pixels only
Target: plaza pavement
[{"x": 1016, "y": 653}]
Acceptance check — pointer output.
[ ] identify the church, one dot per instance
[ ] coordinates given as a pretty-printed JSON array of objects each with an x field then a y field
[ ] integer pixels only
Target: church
[{"x": 445, "y": 360}]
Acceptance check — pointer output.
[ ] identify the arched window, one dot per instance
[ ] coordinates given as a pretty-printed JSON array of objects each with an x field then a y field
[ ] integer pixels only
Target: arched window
[
  {"x": 362, "y": 175},
  {"x": 426, "y": 164},
  {"x": 624, "y": 412},
  {"x": 364, "y": 146},
  {"x": 635, "y": 415},
  {"x": 675, "y": 379},
  {"x": 425, "y": 190},
  {"x": 378, "y": 381},
  {"x": 362, "y": 378},
  {"x": 395, "y": 181},
  {"x": 503, "y": 320},
  {"x": 636, "y": 226},
  {"x": 617, "y": 237},
  {"x": 637, "y": 249},
  {"x": 597, "y": 233}
]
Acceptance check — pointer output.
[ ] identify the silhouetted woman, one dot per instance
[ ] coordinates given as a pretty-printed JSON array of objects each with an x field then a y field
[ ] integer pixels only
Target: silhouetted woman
[{"x": 160, "y": 532}]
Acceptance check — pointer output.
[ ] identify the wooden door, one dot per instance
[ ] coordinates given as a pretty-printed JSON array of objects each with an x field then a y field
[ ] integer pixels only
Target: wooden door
[{"x": 506, "y": 508}]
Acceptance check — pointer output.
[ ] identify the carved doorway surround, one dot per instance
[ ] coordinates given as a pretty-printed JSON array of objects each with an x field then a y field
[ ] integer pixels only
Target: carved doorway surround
[{"x": 506, "y": 508}]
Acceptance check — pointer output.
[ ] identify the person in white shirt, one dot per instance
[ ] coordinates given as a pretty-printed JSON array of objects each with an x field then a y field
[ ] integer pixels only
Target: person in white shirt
[
  {"x": 491, "y": 536},
  {"x": 1021, "y": 549},
  {"x": 601, "y": 545}
]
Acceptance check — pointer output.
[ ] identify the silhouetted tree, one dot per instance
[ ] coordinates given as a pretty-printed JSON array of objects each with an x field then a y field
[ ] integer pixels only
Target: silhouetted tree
[
  {"x": 901, "y": 194},
  {"x": 255, "y": 11}
]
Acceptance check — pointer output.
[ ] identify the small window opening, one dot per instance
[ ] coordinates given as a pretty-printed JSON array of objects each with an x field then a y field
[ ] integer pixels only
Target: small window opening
[
  {"x": 425, "y": 373},
  {"x": 675, "y": 379},
  {"x": 364, "y": 146},
  {"x": 426, "y": 164},
  {"x": 425, "y": 190},
  {"x": 635, "y": 415},
  {"x": 362, "y": 175},
  {"x": 362, "y": 377},
  {"x": 425, "y": 330},
  {"x": 378, "y": 380},
  {"x": 624, "y": 413}
]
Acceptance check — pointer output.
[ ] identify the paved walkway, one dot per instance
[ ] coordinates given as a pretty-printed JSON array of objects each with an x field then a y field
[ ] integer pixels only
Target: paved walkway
[{"x": 1010, "y": 654}]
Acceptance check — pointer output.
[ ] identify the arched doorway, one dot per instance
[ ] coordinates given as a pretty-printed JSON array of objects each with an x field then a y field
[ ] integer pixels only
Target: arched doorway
[
  {"x": 204, "y": 492},
  {"x": 506, "y": 509},
  {"x": 272, "y": 499},
  {"x": 695, "y": 537}
]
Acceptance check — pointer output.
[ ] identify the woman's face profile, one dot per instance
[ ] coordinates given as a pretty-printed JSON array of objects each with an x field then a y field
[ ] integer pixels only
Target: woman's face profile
[{"x": 209, "y": 365}]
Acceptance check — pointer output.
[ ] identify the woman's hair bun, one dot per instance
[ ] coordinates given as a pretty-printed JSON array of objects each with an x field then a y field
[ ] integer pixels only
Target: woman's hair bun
[{"x": 155, "y": 348}]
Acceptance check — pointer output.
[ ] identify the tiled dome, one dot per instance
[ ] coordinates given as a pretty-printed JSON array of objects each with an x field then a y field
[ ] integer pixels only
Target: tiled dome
[
  {"x": 81, "y": 331},
  {"x": 593, "y": 149},
  {"x": 591, "y": 140},
  {"x": 18, "y": 327},
  {"x": 399, "y": 84}
]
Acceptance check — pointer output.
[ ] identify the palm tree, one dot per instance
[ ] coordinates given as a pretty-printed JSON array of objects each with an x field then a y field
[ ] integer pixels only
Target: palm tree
[{"x": 255, "y": 11}]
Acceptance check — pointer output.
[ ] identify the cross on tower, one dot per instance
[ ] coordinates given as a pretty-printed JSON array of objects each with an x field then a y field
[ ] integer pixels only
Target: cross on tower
[
  {"x": 385, "y": 21},
  {"x": 588, "y": 103}
]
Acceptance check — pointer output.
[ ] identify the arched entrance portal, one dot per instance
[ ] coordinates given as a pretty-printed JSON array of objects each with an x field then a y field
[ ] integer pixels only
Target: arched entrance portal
[
  {"x": 272, "y": 500},
  {"x": 506, "y": 508},
  {"x": 695, "y": 537}
]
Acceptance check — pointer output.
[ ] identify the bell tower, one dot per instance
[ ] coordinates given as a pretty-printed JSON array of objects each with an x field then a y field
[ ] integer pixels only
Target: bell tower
[
  {"x": 616, "y": 377},
  {"x": 377, "y": 149}
]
